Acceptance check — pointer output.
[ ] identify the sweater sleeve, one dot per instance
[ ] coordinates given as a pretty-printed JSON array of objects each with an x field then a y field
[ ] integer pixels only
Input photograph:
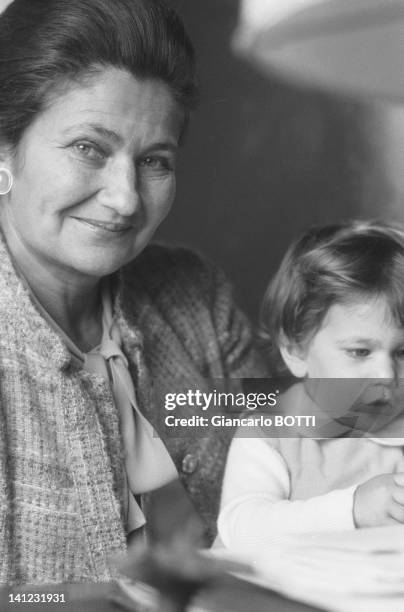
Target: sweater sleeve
[{"x": 255, "y": 507}]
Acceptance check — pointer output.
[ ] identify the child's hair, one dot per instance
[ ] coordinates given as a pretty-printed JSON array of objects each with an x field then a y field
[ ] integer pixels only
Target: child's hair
[{"x": 333, "y": 264}]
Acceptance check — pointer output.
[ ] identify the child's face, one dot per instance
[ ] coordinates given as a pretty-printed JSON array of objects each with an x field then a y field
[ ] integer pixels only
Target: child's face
[{"x": 360, "y": 340}]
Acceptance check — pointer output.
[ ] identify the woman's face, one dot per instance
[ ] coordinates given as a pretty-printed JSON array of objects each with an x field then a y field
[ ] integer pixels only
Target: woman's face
[{"x": 94, "y": 175}]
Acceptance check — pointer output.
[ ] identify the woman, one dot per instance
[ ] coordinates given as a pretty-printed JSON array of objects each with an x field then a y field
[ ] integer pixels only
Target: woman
[{"x": 96, "y": 95}]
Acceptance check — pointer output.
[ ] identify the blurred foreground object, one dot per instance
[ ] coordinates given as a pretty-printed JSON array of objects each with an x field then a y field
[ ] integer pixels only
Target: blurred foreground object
[
  {"x": 349, "y": 46},
  {"x": 165, "y": 572},
  {"x": 359, "y": 570},
  {"x": 166, "y": 579}
]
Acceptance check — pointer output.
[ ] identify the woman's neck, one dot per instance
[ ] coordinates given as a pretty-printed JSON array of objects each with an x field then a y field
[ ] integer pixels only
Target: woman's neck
[
  {"x": 71, "y": 299},
  {"x": 77, "y": 309}
]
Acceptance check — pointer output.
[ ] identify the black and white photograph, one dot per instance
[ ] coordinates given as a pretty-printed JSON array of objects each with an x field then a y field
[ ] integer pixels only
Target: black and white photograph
[{"x": 202, "y": 305}]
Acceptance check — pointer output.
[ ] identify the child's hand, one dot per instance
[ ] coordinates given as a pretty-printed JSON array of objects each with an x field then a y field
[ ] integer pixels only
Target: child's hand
[{"x": 380, "y": 501}]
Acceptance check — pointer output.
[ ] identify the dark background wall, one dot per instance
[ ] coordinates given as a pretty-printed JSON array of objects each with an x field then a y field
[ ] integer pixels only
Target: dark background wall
[{"x": 263, "y": 160}]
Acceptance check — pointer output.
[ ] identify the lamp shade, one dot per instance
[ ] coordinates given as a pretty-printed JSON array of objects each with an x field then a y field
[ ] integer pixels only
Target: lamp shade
[
  {"x": 4, "y": 4},
  {"x": 350, "y": 46}
]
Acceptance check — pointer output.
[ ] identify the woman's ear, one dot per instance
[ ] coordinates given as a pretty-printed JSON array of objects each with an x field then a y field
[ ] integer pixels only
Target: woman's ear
[
  {"x": 294, "y": 357},
  {"x": 6, "y": 170}
]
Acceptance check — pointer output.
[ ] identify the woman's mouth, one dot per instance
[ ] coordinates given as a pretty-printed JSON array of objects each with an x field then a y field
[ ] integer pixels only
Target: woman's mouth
[{"x": 106, "y": 226}]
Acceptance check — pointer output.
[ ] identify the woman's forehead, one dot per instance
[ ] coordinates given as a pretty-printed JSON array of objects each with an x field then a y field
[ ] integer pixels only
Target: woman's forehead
[
  {"x": 108, "y": 86},
  {"x": 115, "y": 101}
]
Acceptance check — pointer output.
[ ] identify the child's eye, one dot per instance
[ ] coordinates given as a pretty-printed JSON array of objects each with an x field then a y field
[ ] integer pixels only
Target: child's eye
[{"x": 358, "y": 353}]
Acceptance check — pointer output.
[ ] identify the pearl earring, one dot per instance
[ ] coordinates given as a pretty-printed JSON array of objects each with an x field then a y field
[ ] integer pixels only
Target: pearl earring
[{"x": 6, "y": 181}]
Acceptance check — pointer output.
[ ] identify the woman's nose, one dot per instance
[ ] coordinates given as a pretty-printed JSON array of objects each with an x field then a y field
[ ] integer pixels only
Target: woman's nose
[{"x": 121, "y": 191}]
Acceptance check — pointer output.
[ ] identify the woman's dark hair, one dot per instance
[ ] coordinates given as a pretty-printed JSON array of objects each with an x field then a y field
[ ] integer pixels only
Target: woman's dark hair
[
  {"x": 46, "y": 43},
  {"x": 335, "y": 264}
]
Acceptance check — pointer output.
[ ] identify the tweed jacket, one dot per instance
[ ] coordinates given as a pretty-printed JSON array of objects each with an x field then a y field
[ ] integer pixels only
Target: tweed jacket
[{"x": 61, "y": 458}]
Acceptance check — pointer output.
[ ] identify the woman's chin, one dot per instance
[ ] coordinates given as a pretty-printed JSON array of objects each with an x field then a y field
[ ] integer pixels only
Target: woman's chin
[
  {"x": 100, "y": 266},
  {"x": 103, "y": 261}
]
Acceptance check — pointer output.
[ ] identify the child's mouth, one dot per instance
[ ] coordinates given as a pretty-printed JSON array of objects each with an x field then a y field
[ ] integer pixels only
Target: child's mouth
[{"x": 376, "y": 407}]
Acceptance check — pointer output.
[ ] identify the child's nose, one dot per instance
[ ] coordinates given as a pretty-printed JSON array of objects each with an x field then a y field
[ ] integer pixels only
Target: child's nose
[{"x": 385, "y": 367}]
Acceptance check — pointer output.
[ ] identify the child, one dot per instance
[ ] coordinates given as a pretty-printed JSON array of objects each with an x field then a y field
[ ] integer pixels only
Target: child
[{"x": 335, "y": 309}]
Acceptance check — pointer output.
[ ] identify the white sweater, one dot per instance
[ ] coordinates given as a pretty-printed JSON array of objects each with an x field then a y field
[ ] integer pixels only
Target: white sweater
[{"x": 274, "y": 487}]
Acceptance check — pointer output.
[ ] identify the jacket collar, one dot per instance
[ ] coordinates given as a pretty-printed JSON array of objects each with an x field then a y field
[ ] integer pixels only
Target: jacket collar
[
  {"x": 19, "y": 317},
  {"x": 21, "y": 321}
]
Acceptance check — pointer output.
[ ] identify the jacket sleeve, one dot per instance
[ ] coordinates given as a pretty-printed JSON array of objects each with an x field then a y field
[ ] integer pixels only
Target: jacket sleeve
[
  {"x": 241, "y": 358},
  {"x": 234, "y": 357},
  {"x": 195, "y": 337}
]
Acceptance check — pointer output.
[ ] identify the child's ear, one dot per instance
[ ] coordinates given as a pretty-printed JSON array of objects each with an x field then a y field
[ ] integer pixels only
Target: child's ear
[{"x": 294, "y": 357}]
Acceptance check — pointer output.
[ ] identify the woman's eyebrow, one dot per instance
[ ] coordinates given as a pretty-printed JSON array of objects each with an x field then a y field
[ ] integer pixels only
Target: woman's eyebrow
[
  {"x": 95, "y": 127},
  {"x": 169, "y": 145},
  {"x": 163, "y": 146}
]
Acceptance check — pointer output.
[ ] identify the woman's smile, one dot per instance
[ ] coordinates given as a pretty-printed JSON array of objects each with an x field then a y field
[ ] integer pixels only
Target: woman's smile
[{"x": 105, "y": 227}]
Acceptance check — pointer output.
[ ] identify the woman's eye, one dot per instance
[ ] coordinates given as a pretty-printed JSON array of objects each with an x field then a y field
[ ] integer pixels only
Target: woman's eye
[
  {"x": 90, "y": 151},
  {"x": 358, "y": 353},
  {"x": 156, "y": 163}
]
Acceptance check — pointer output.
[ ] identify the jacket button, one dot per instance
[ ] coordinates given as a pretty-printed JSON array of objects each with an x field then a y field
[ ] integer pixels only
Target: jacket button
[{"x": 189, "y": 464}]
